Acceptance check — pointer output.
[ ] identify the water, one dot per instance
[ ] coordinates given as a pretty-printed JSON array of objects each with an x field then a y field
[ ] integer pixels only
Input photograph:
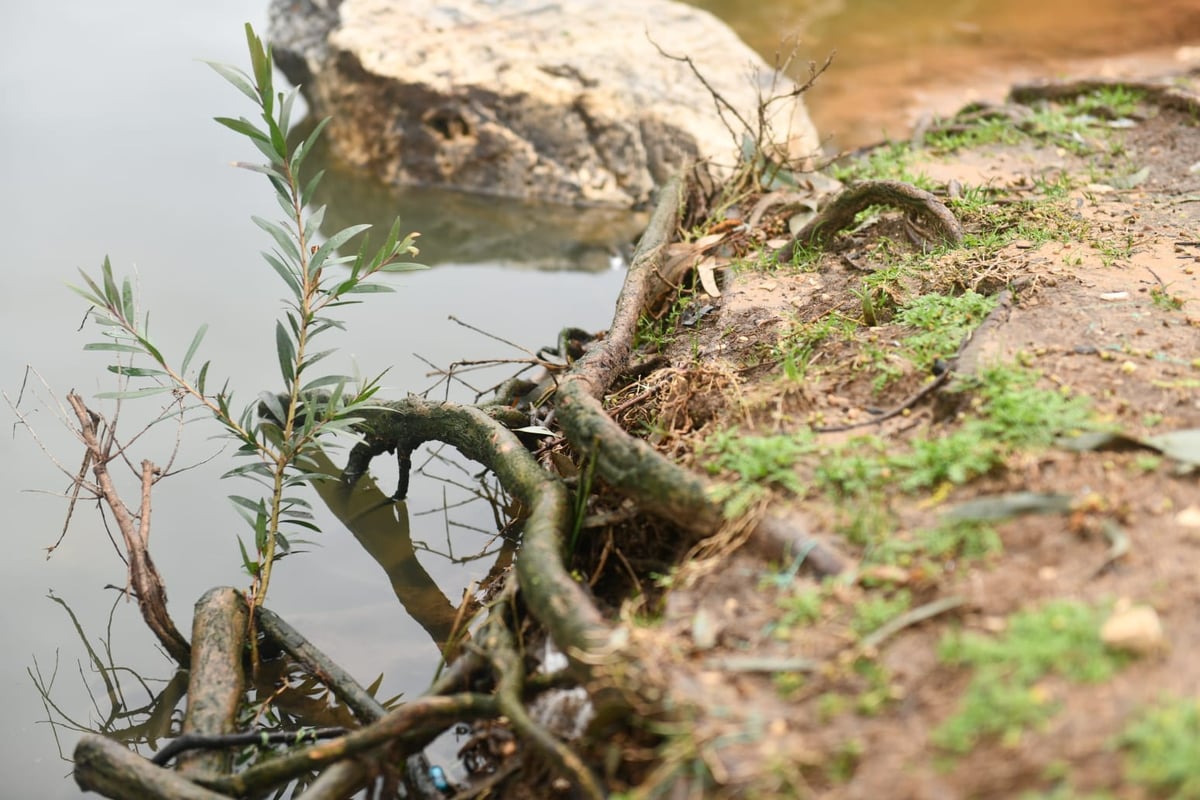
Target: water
[
  {"x": 106, "y": 147},
  {"x": 897, "y": 59}
]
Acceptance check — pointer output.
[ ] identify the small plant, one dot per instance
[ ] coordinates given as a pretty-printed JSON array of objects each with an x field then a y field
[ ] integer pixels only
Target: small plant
[
  {"x": 887, "y": 162},
  {"x": 798, "y": 346},
  {"x": 991, "y": 130},
  {"x": 943, "y": 321},
  {"x": 1108, "y": 101},
  {"x": 1162, "y": 298},
  {"x": 801, "y": 608},
  {"x": 1006, "y": 696},
  {"x": 968, "y": 540},
  {"x": 877, "y": 611},
  {"x": 1162, "y": 748},
  {"x": 758, "y": 462},
  {"x": 278, "y": 449}
]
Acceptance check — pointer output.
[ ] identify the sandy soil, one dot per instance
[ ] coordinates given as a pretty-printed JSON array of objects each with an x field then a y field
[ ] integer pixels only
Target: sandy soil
[{"x": 789, "y": 694}]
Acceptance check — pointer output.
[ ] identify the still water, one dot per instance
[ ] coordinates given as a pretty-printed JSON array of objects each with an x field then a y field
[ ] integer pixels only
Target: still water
[{"x": 106, "y": 146}]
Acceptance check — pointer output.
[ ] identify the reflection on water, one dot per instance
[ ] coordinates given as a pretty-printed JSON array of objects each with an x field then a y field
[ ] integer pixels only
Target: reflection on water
[
  {"x": 125, "y": 704},
  {"x": 284, "y": 697},
  {"x": 381, "y": 526},
  {"x": 462, "y": 228}
]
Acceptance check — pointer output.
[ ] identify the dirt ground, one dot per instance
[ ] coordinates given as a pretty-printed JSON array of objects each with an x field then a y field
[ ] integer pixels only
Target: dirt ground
[{"x": 1083, "y": 230}]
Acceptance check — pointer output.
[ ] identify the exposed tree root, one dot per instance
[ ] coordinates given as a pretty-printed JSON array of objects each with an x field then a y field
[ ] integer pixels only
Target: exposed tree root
[
  {"x": 216, "y": 680},
  {"x": 840, "y": 212},
  {"x": 1164, "y": 95},
  {"x": 545, "y": 588},
  {"x": 105, "y": 766},
  {"x": 631, "y": 466},
  {"x": 407, "y": 730},
  {"x": 323, "y": 668}
]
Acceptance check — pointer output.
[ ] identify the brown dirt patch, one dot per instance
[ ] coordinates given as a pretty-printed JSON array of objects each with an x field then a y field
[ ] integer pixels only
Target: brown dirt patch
[{"x": 785, "y": 699}]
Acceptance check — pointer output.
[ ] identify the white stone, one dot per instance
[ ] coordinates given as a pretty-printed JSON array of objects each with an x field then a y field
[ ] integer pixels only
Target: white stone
[
  {"x": 566, "y": 101},
  {"x": 1136, "y": 629}
]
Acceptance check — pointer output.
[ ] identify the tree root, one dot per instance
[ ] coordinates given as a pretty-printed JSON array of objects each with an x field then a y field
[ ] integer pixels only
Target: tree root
[
  {"x": 216, "y": 681},
  {"x": 840, "y": 212},
  {"x": 497, "y": 642},
  {"x": 553, "y": 597},
  {"x": 408, "y": 730},
  {"x": 631, "y": 466},
  {"x": 105, "y": 766},
  {"x": 343, "y": 686},
  {"x": 1163, "y": 95}
]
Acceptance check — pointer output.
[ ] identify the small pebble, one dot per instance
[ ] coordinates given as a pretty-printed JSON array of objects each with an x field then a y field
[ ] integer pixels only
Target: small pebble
[{"x": 1136, "y": 630}]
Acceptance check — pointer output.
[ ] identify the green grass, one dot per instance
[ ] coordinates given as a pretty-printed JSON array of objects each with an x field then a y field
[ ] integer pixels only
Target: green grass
[
  {"x": 1007, "y": 412},
  {"x": 941, "y": 322},
  {"x": 892, "y": 161},
  {"x": 1006, "y": 696},
  {"x": 796, "y": 348},
  {"x": 1162, "y": 749},
  {"x": 959, "y": 540},
  {"x": 876, "y": 611}
]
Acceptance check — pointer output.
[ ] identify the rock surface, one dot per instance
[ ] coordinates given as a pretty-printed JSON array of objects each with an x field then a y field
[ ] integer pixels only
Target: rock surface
[{"x": 566, "y": 101}]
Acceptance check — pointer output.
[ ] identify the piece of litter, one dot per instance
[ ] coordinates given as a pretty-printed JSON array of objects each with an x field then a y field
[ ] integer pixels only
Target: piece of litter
[{"x": 1115, "y": 296}]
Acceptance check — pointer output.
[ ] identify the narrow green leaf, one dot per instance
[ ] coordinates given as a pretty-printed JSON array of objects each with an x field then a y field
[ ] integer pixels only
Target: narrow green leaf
[
  {"x": 295, "y": 502},
  {"x": 250, "y": 470},
  {"x": 135, "y": 372},
  {"x": 282, "y": 237},
  {"x": 368, "y": 288},
  {"x": 324, "y": 380},
  {"x": 113, "y": 347},
  {"x": 303, "y": 524},
  {"x": 403, "y": 266},
  {"x": 268, "y": 150},
  {"x": 127, "y": 299},
  {"x": 191, "y": 351},
  {"x": 285, "y": 110},
  {"x": 332, "y": 244},
  {"x": 310, "y": 187},
  {"x": 315, "y": 357},
  {"x": 202, "y": 377},
  {"x": 281, "y": 190},
  {"x": 273, "y": 405},
  {"x": 389, "y": 245},
  {"x": 286, "y": 274},
  {"x": 95, "y": 287},
  {"x": 237, "y": 77},
  {"x": 278, "y": 141},
  {"x": 246, "y": 503},
  {"x": 284, "y": 199},
  {"x": 269, "y": 171},
  {"x": 304, "y": 147},
  {"x": 112, "y": 295},
  {"x": 286, "y": 352},
  {"x": 260, "y": 64},
  {"x": 150, "y": 349},
  {"x": 260, "y": 530},
  {"x": 86, "y": 295},
  {"x": 243, "y": 126},
  {"x": 251, "y": 566},
  {"x": 133, "y": 393},
  {"x": 315, "y": 219}
]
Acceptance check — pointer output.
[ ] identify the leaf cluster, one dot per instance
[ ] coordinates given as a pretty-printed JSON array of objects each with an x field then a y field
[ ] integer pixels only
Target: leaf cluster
[{"x": 318, "y": 278}]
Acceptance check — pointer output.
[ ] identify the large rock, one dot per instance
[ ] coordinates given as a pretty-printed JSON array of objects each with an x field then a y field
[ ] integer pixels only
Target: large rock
[{"x": 566, "y": 101}]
